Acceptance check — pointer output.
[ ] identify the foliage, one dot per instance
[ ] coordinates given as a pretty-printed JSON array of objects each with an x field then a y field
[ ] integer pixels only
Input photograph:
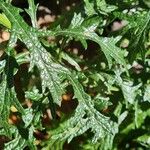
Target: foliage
[{"x": 110, "y": 85}]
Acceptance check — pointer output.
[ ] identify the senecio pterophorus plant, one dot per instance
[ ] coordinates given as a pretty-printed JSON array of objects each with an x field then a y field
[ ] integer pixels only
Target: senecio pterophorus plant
[{"x": 109, "y": 86}]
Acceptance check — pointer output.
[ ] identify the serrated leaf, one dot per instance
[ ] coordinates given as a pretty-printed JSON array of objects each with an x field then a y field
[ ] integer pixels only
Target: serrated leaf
[
  {"x": 108, "y": 45},
  {"x": 7, "y": 93},
  {"x": 89, "y": 8},
  {"x": 136, "y": 30},
  {"x": 147, "y": 93},
  {"x": 17, "y": 144},
  {"x": 31, "y": 139},
  {"x": 129, "y": 91},
  {"x": 50, "y": 74},
  {"x": 103, "y": 7},
  {"x": 5, "y": 102},
  {"x": 20, "y": 142},
  {"x": 32, "y": 12},
  {"x": 78, "y": 124},
  {"x": 101, "y": 103},
  {"x": 55, "y": 74},
  {"x": 27, "y": 117},
  {"x": 39, "y": 56},
  {"x": 98, "y": 6},
  {"x": 76, "y": 21},
  {"x": 33, "y": 95}
]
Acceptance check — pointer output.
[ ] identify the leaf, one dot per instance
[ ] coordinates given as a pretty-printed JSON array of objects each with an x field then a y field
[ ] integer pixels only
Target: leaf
[
  {"x": 22, "y": 58},
  {"x": 122, "y": 117},
  {"x": 137, "y": 30},
  {"x": 32, "y": 12},
  {"x": 89, "y": 8},
  {"x": 103, "y": 7},
  {"x": 107, "y": 143},
  {"x": 7, "y": 93},
  {"x": 98, "y": 6},
  {"x": 33, "y": 95},
  {"x": 140, "y": 32},
  {"x": 108, "y": 45},
  {"x": 101, "y": 103},
  {"x": 31, "y": 139},
  {"x": 54, "y": 145},
  {"x": 70, "y": 60},
  {"x": 129, "y": 91},
  {"x": 144, "y": 140},
  {"x": 5, "y": 103},
  {"x": 19, "y": 142},
  {"x": 146, "y": 96},
  {"x": 50, "y": 75},
  {"x": 85, "y": 117},
  {"x": 4, "y": 21},
  {"x": 112, "y": 51},
  {"x": 39, "y": 56},
  {"x": 2, "y": 65},
  {"x": 140, "y": 115},
  {"x": 76, "y": 21},
  {"x": 27, "y": 117}
]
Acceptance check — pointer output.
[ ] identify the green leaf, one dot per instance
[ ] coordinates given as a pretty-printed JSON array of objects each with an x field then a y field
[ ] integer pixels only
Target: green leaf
[
  {"x": 5, "y": 103},
  {"x": 147, "y": 93},
  {"x": 108, "y": 45},
  {"x": 19, "y": 142},
  {"x": 54, "y": 145},
  {"x": 89, "y": 8},
  {"x": 136, "y": 30},
  {"x": 122, "y": 117},
  {"x": 98, "y": 6},
  {"x": 70, "y": 60},
  {"x": 101, "y": 103},
  {"x": 33, "y": 95},
  {"x": 32, "y": 12},
  {"x": 103, "y": 7},
  {"x": 85, "y": 117},
  {"x": 50, "y": 70},
  {"x": 31, "y": 139},
  {"x": 22, "y": 58},
  {"x": 129, "y": 91},
  {"x": 5, "y": 21},
  {"x": 27, "y": 117},
  {"x": 2, "y": 65},
  {"x": 144, "y": 140}
]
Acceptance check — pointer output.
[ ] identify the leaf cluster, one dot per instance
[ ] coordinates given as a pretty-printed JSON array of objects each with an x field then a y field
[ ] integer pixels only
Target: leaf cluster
[{"x": 109, "y": 83}]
